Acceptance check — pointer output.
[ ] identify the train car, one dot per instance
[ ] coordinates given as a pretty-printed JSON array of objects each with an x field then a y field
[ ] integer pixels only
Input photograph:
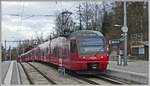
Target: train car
[
  {"x": 89, "y": 49},
  {"x": 24, "y": 57},
  {"x": 83, "y": 50}
]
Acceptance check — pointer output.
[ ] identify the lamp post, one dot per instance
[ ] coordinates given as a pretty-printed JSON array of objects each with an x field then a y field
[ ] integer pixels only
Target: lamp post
[{"x": 125, "y": 30}]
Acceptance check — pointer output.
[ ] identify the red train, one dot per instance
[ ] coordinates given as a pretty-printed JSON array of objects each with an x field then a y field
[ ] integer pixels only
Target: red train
[{"x": 82, "y": 51}]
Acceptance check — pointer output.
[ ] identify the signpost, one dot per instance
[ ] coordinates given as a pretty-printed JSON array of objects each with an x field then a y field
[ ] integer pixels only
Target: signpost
[
  {"x": 115, "y": 42},
  {"x": 125, "y": 30},
  {"x": 61, "y": 69}
]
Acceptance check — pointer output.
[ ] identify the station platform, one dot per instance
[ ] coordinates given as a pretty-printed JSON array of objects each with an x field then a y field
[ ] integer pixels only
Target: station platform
[
  {"x": 10, "y": 73},
  {"x": 136, "y": 70}
]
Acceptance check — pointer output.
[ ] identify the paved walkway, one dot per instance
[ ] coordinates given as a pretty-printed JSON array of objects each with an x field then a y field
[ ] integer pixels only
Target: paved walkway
[
  {"x": 10, "y": 74},
  {"x": 5, "y": 66},
  {"x": 137, "y": 67}
]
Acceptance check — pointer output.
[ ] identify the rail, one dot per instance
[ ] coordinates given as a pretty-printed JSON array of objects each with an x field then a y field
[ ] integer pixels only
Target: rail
[
  {"x": 108, "y": 79},
  {"x": 51, "y": 81},
  {"x": 73, "y": 74},
  {"x": 27, "y": 75}
]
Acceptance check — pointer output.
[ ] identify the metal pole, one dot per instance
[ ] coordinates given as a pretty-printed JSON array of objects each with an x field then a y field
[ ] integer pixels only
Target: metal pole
[
  {"x": 9, "y": 52},
  {"x": 80, "y": 17},
  {"x": 125, "y": 13},
  {"x": 17, "y": 52},
  {"x": 62, "y": 26},
  {"x": 5, "y": 51},
  {"x": 23, "y": 46},
  {"x": 50, "y": 44},
  {"x": 125, "y": 34},
  {"x": 86, "y": 11}
]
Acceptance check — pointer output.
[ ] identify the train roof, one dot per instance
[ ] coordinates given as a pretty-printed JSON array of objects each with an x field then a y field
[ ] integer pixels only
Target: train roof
[
  {"x": 86, "y": 33},
  {"x": 41, "y": 46},
  {"x": 25, "y": 53},
  {"x": 79, "y": 33},
  {"x": 44, "y": 45}
]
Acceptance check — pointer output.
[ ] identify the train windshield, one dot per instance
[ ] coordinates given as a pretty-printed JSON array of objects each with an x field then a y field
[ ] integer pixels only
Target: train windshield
[{"x": 92, "y": 45}]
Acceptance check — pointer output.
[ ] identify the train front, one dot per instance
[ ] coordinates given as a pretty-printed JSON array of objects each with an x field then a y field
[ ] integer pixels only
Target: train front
[{"x": 92, "y": 53}]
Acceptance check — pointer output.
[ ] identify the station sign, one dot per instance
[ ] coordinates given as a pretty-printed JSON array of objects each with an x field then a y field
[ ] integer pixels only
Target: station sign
[
  {"x": 115, "y": 41},
  {"x": 124, "y": 29}
]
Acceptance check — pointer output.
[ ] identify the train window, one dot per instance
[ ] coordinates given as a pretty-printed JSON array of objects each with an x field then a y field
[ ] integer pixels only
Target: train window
[
  {"x": 38, "y": 52},
  {"x": 92, "y": 45},
  {"x": 43, "y": 53},
  {"x": 63, "y": 50},
  {"x": 47, "y": 49},
  {"x": 34, "y": 52},
  {"x": 52, "y": 51},
  {"x": 58, "y": 53},
  {"x": 66, "y": 50},
  {"x": 55, "y": 52}
]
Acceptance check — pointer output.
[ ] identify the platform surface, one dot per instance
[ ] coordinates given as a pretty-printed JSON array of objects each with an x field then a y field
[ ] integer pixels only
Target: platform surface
[
  {"x": 10, "y": 73},
  {"x": 138, "y": 67},
  {"x": 135, "y": 71},
  {"x": 5, "y": 66}
]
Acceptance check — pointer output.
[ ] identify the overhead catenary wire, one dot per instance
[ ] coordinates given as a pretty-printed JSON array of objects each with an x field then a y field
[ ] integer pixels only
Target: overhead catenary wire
[{"x": 22, "y": 12}]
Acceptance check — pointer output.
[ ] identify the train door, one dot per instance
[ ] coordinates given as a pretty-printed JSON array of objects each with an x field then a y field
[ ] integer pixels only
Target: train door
[
  {"x": 49, "y": 52},
  {"x": 59, "y": 55},
  {"x": 73, "y": 49},
  {"x": 59, "y": 52},
  {"x": 65, "y": 55}
]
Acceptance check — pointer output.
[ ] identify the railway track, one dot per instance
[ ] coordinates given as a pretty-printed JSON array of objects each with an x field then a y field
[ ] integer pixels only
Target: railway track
[
  {"x": 124, "y": 81},
  {"x": 51, "y": 81},
  {"x": 98, "y": 77},
  {"x": 30, "y": 79},
  {"x": 108, "y": 79},
  {"x": 19, "y": 74},
  {"x": 83, "y": 78},
  {"x": 92, "y": 79},
  {"x": 74, "y": 75},
  {"x": 27, "y": 75},
  {"x": 101, "y": 77}
]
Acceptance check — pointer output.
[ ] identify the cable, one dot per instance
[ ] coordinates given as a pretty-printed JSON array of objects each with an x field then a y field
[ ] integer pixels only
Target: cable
[{"x": 22, "y": 12}]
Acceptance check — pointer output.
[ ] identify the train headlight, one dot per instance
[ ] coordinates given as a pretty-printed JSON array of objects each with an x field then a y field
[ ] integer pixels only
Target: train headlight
[
  {"x": 83, "y": 57},
  {"x": 101, "y": 57},
  {"x": 93, "y": 57},
  {"x": 107, "y": 55}
]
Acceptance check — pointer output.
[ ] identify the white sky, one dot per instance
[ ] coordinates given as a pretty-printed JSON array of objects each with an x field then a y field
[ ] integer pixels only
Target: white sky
[{"x": 13, "y": 29}]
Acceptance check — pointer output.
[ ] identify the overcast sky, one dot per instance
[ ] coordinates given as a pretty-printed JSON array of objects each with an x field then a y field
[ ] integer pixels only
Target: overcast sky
[{"x": 28, "y": 26}]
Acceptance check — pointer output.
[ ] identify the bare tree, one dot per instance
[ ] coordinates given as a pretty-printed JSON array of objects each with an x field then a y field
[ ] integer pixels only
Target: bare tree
[
  {"x": 91, "y": 15},
  {"x": 64, "y": 23}
]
